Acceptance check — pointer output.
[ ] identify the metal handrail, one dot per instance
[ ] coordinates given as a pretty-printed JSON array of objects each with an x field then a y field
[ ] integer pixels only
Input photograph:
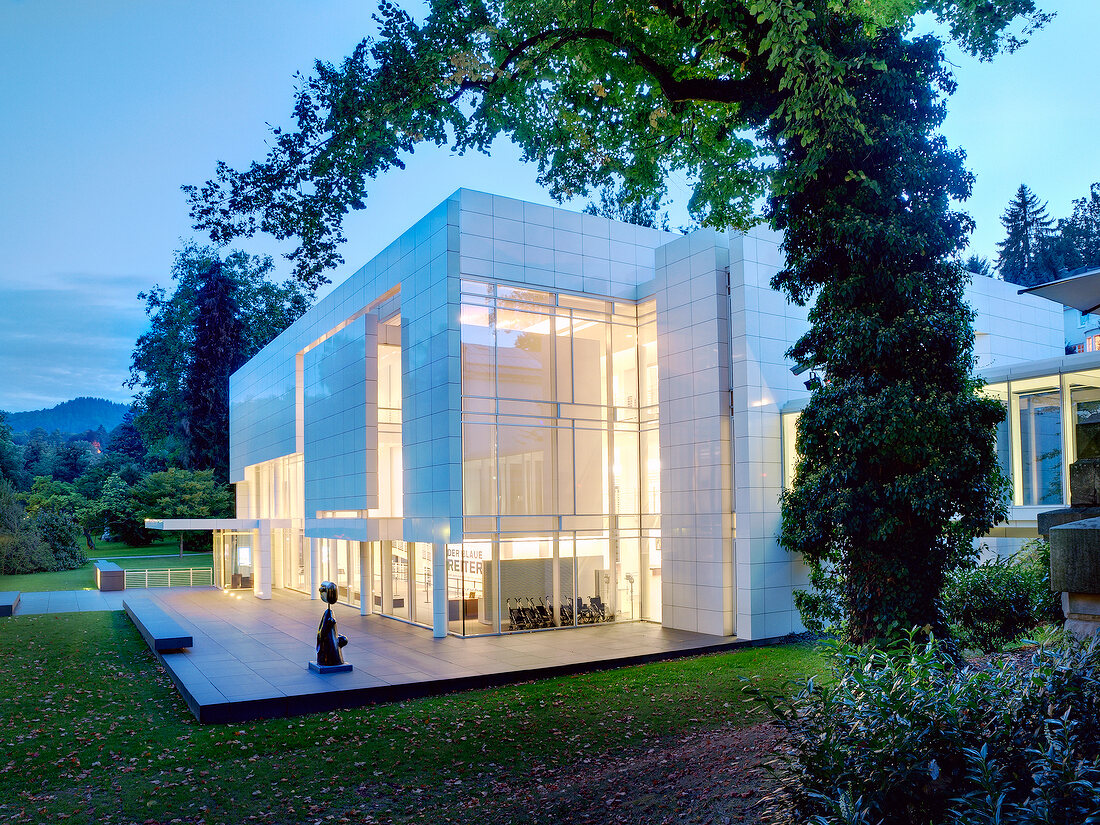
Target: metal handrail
[{"x": 170, "y": 577}]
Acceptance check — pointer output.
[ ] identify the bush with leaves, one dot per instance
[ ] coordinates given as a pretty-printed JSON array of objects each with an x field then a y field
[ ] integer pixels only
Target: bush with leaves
[
  {"x": 1034, "y": 558},
  {"x": 21, "y": 548},
  {"x": 901, "y": 735},
  {"x": 991, "y": 604},
  {"x": 60, "y": 533}
]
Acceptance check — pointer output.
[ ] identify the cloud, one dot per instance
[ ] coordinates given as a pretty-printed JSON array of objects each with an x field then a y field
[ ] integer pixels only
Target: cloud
[{"x": 62, "y": 341}]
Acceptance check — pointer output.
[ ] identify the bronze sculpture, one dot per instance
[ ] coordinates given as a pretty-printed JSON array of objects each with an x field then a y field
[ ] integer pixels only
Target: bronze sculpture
[{"x": 330, "y": 656}]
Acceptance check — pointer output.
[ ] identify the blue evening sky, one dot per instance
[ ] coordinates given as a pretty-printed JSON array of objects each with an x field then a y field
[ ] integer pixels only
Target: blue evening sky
[{"x": 109, "y": 106}]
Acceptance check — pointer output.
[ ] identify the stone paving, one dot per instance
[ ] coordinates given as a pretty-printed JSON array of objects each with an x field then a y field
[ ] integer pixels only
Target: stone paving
[
  {"x": 249, "y": 658},
  {"x": 85, "y": 601}
]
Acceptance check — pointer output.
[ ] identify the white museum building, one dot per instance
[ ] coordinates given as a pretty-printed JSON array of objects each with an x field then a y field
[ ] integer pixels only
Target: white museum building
[{"x": 519, "y": 417}]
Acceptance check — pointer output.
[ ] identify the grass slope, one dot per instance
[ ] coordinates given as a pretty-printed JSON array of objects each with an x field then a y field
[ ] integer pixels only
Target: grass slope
[
  {"x": 166, "y": 556},
  {"x": 93, "y": 731}
]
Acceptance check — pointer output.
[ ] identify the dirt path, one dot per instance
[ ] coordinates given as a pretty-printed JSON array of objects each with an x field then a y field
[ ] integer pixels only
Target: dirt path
[{"x": 715, "y": 776}]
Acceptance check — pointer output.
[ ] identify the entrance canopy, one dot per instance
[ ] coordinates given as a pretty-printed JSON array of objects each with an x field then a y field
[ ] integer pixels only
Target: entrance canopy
[
  {"x": 1080, "y": 291},
  {"x": 214, "y": 523}
]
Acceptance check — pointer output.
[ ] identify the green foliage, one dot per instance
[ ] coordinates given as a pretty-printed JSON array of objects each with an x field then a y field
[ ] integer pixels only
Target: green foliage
[
  {"x": 978, "y": 265},
  {"x": 902, "y": 735},
  {"x": 616, "y": 205},
  {"x": 177, "y": 422},
  {"x": 1081, "y": 231},
  {"x": 216, "y": 353},
  {"x": 829, "y": 107},
  {"x": 21, "y": 548},
  {"x": 1029, "y": 253},
  {"x": 991, "y": 604},
  {"x": 1034, "y": 560},
  {"x": 60, "y": 533},
  {"x": 10, "y": 459},
  {"x": 114, "y": 514},
  {"x": 897, "y": 471},
  {"x": 125, "y": 440},
  {"x": 183, "y": 494}
]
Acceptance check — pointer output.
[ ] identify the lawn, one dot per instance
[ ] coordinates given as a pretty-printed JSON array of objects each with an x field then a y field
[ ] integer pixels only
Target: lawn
[
  {"x": 114, "y": 549},
  {"x": 83, "y": 578},
  {"x": 92, "y": 729}
]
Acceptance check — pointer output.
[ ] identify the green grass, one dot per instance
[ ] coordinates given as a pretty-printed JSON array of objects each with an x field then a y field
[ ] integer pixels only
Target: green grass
[
  {"x": 113, "y": 549},
  {"x": 83, "y": 578},
  {"x": 91, "y": 728},
  {"x": 165, "y": 562}
]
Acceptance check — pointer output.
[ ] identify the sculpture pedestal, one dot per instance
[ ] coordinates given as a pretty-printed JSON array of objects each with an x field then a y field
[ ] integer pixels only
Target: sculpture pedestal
[
  {"x": 1082, "y": 612},
  {"x": 316, "y": 668},
  {"x": 1075, "y": 571}
]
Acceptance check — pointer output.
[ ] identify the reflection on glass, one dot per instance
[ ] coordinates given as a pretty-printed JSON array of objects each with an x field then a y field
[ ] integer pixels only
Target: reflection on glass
[{"x": 1040, "y": 418}]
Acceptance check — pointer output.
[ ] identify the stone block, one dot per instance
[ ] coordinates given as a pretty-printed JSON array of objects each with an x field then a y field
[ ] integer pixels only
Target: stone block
[
  {"x": 1084, "y": 482},
  {"x": 1075, "y": 556},
  {"x": 1064, "y": 515}
]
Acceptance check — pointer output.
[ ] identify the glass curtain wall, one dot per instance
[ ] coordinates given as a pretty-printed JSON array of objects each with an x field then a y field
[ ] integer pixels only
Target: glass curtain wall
[
  {"x": 561, "y": 469},
  {"x": 233, "y": 559}
]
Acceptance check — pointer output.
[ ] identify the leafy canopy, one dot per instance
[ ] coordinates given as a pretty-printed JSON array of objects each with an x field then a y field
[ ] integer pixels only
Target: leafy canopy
[{"x": 590, "y": 92}]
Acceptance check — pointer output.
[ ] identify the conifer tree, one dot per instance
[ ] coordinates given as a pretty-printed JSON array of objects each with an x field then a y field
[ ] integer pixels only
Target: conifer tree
[
  {"x": 1027, "y": 254},
  {"x": 217, "y": 353}
]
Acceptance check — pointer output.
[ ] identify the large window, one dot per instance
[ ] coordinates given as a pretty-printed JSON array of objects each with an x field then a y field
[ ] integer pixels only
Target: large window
[{"x": 560, "y": 462}]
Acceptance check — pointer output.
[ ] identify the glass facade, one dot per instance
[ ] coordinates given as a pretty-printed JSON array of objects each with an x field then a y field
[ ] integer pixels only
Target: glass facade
[
  {"x": 560, "y": 475},
  {"x": 560, "y": 460},
  {"x": 1051, "y": 421},
  {"x": 234, "y": 559}
]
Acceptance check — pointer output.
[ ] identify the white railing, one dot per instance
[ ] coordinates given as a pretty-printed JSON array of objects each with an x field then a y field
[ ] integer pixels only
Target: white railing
[{"x": 170, "y": 577}]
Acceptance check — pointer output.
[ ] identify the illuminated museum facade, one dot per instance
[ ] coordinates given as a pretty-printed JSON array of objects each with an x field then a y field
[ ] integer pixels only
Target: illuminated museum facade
[{"x": 520, "y": 417}]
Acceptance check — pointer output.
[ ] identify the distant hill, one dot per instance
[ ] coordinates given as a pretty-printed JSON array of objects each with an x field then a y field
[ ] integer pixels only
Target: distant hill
[{"x": 74, "y": 416}]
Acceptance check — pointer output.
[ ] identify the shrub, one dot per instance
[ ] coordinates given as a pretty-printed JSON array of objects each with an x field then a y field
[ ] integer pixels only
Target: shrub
[
  {"x": 991, "y": 604},
  {"x": 23, "y": 552},
  {"x": 60, "y": 533},
  {"x": 902, "y": 736},
  {"x": 1034, "y": 559}
]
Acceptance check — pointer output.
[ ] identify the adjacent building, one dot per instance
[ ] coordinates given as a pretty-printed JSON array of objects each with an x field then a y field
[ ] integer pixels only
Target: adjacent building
[{"x": 519, "y": 417}]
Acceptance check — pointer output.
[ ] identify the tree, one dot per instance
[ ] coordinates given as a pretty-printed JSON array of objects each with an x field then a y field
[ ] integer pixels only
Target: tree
[
  {"x": 114, "y": 514},
  {"x": 828, "y": 106},
  {"x": 125, "y": 440},
  {"x": 216, "y": 354},
  {"x": 978, "y": 265},
  {"x": 1081, "y": 230},
  {"x": 21, "y": 548},
  {"x": 11, "y": 462},
  {"x": 182, "y": 494},
  {"x": 1029, "y": 253},
  {"x": 71, "y": 460},
  {"x": 617, "y": 206},
  {"x": 164, "y": 356}
]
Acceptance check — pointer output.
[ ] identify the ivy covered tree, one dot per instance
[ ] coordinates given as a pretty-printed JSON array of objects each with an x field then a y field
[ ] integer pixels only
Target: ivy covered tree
[{"x": 830, "y": 107}]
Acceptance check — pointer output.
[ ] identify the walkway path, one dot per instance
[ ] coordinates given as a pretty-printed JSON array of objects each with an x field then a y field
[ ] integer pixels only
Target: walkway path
[{"x": 79, "y": 601}]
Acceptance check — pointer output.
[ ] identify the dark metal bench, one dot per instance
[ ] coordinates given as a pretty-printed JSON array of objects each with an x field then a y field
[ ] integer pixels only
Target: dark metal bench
[
  {"x": 9, "y": 600},
  {"x": 160, "y": 630},
  {"x": 109, "y": 576}
]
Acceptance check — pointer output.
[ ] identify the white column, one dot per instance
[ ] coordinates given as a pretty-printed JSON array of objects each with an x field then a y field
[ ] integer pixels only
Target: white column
[
  {"x": 314, "y": 569},
  {"x": 261, "y": 579},
  {"x": 366, "y": 598},
  {"x": 439, "y": 590}
]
